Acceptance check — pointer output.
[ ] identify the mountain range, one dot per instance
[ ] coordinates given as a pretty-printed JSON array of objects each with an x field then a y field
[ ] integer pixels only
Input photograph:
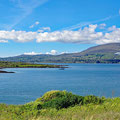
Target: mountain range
[{"x": 107, "y": 53}]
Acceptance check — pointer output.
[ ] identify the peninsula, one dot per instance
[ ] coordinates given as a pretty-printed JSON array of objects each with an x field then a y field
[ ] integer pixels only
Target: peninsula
[{"x": 6, "y": 64}]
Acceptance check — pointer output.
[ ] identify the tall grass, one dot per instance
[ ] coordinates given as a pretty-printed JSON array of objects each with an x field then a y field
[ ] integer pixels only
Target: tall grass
[{"x": 62, "y": 105}]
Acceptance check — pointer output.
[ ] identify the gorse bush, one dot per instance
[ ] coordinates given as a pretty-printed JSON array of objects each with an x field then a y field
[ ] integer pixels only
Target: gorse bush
[
  {"x": 51, "y": 95},
  {"x": 63, "y": 99},
  {"x": 93, "y": 99},
  {"x": 63, "y": 102}
]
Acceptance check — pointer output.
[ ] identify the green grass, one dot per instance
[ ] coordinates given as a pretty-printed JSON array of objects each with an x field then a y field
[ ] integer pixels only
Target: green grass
[
  {"x": 62, "y": 105},
  {"x": 6, "y": 64}
]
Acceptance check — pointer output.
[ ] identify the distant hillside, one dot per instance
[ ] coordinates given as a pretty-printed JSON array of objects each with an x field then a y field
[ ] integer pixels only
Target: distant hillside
[
  {"x": 107, "y": 53},
  {"x": 101, "y": 49}
]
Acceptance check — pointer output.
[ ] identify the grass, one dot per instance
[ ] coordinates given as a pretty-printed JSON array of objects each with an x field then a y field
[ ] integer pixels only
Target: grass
[
  {"x": 62, "y": 105},
  {"x": 6, "y": 64}
]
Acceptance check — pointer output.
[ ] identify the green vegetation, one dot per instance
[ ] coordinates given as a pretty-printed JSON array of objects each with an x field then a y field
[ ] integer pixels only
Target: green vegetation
[
  {"x": 62, "y": 105},
  {"x": 69, "y": 58},
  {"x": 6, "y": 64},
  {"x": 98, "y": 58}
]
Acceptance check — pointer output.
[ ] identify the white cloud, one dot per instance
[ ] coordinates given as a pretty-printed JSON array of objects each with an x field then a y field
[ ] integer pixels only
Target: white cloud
[
  {"x": 18, "y": 36},
  {"x": 64, "y": 52},
  {"x": 35, "y": 24},
  {"x": 111, "y": 37},
  {"x": 87, "y": 35},
  {"x": 3, "y": 41},
  {"x": 32, "y": 53},
  {"x": 112, "y": 28},
  {"x": 47, "y": 53},
  {"x": 52, "y": 52},
  {"x": 102, "y": 26},
  {"x": 43, "y": 29}
]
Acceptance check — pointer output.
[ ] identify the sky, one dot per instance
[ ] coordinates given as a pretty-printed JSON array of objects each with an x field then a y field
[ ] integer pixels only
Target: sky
[{"x": 57, "y": 26}]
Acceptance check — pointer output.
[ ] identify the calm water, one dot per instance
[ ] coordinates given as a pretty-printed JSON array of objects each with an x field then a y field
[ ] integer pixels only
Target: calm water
[{"x": 27, "y": 84}]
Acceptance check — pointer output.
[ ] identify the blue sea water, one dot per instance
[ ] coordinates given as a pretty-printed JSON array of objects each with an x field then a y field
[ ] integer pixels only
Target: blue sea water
[{"x": 28, "y": 84}]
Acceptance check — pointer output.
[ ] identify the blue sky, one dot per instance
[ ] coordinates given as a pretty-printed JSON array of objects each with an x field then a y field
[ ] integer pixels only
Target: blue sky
[{"x": 56, "y": 26}]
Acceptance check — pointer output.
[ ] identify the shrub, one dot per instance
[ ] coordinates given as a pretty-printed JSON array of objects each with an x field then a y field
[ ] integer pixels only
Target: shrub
[
  {"x": 63, "y": 99},
  {"x": 51, "y": 95},
  {"x": 92, "y": 99},
  {"x": 63, "y": 102},
  {"x": 37, "y": 106}
]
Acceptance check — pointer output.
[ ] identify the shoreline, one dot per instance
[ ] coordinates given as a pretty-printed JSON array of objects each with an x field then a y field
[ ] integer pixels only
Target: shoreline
[
  {"x": 6, "y": 64},
  {"x": 34, "y": 66}
]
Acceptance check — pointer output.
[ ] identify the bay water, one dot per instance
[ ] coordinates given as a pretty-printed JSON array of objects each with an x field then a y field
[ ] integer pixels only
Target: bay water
[{"x": 28, "y": 84}]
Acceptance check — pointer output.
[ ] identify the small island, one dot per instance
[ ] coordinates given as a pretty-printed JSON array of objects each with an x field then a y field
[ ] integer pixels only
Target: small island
[
  {"x": 1, "y": 71},
  {"x": 6, "y": 64}
]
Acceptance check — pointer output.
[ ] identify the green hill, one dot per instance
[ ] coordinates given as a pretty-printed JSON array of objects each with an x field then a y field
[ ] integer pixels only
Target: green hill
[
  {"x": 107, "y": 53},
  {"x": 102, "y": 49}
]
